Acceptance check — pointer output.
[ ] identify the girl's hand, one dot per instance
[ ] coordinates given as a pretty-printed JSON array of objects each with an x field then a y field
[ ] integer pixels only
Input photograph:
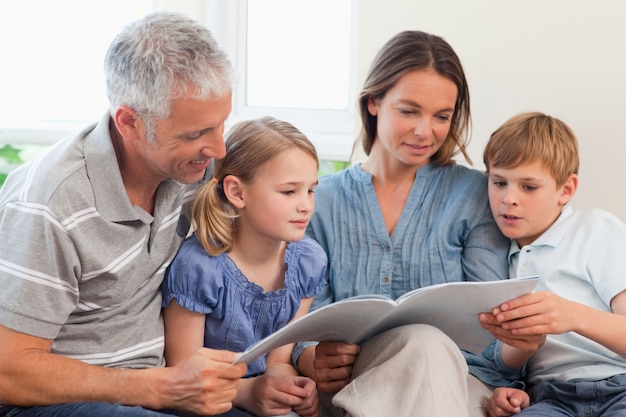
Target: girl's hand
[
  {"x": 268, "y": 395},
  {"x": 309, "y": 407}
]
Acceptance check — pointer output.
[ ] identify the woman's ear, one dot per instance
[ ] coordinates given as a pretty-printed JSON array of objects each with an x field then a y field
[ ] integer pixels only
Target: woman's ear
[
  {"x": 372, "y": 105},
  {"x": 568, "y": 189},
  {"x": 234, "y": 191}
]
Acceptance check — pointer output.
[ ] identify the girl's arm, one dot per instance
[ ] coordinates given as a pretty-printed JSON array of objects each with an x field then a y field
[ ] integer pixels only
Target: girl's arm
[
  {"x": 184, "y": 332},
  {"x": 278, "y": 361},
  {"x": 279, "y": 390}
]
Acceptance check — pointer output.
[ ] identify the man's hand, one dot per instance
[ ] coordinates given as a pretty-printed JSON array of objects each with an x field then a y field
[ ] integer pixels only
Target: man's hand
[{"x": 205, "y": 383}]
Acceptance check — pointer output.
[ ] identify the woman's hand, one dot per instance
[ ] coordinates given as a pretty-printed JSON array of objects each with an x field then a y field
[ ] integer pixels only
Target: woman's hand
[{"x": 333, "y": 365}]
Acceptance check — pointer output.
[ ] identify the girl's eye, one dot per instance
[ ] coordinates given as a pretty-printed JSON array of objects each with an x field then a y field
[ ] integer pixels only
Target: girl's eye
[
  {"x": 405, "y": 111},
  {"x": 444, "y": 118},
  {"x": 288, "y": 192}
]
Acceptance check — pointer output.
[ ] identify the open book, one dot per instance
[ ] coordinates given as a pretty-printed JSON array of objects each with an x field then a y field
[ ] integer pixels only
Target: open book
[{"x": 452, "y": 307}]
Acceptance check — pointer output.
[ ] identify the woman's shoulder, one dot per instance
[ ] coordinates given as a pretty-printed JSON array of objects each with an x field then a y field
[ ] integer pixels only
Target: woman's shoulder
[{"x": 459, "y": 178}]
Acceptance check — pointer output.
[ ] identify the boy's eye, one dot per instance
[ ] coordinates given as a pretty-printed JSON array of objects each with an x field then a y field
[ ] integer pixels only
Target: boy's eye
[
  {"x": 499, "y": 183},
  {"x": 287, "y": 192},
  {"x": 530, "y": 187}
]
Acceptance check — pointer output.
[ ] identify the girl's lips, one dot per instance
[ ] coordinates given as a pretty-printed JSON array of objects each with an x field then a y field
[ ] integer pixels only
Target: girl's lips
[{"x": 300, "y": 223}]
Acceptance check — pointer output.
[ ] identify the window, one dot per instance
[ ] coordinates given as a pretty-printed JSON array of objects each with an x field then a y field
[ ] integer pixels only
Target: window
[
  {"x": 295, "y": 62},
  {"x": 294, "y": 59},
  {"x": 53, "y": 52}
]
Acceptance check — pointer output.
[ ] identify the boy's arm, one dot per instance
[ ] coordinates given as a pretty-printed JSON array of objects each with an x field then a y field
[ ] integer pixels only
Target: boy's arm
[{"x": 31, "y": 375}]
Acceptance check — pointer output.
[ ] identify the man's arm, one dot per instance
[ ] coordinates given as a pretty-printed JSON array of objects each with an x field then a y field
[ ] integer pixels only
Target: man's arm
[{"x": 31, "y": 375}]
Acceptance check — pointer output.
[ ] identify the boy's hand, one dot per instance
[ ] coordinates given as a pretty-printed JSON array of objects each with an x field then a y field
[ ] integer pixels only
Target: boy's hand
[
  {"x": 507, "y": 401},
  {"x": 538, "y": 314},
  {"x": 526, "y": 343}
]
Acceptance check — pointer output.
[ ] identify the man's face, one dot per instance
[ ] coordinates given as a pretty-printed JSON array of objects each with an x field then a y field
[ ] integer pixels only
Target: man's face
[{"x": 185, "y": 142}]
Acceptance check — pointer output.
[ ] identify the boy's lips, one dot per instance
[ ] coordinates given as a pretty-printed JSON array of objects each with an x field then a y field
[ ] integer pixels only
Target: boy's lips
[{"x": 510, "y": 217}]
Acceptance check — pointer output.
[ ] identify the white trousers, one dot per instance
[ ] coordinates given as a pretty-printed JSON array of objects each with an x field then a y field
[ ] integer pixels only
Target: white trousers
[{"x": 411, "y": 371}]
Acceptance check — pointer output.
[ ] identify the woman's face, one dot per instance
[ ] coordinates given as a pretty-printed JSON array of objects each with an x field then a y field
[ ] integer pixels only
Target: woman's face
[{"x": 414, "y": 116}]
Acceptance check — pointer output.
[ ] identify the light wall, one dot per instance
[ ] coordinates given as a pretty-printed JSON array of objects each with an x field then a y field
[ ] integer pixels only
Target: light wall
[{"x": 566, "y": 58}]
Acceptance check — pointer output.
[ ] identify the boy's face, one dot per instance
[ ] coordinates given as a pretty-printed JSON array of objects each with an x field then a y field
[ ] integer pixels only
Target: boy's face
[{"x": 525, "y": 200}]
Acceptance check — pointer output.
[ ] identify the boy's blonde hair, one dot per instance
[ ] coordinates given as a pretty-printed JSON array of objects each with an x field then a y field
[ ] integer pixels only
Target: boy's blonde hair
[
  {"x": 249, "y": 145},
  {"x": 531, "y": 137}
]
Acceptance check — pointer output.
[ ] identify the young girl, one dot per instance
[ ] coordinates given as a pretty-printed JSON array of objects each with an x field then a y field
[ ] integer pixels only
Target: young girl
[{"x": 248, "y": 270}]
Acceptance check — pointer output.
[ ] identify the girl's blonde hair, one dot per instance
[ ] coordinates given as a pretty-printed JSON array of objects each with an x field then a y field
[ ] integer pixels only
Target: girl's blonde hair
[
  {"x": 249, "y": 145},
  {"x": 531, "y": 137}
]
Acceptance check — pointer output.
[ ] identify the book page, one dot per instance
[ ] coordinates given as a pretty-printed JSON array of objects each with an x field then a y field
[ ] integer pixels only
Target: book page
[{"x": 452, "y": 307}]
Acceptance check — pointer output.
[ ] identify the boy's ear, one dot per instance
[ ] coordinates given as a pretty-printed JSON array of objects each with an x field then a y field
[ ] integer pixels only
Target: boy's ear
[
  {"x": 234, "y": 191},
  {"x": 568, "y": 189}
]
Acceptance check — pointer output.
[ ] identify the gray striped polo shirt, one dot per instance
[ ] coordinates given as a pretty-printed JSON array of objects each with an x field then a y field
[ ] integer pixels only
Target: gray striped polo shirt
[{"x": 78, "y": 263}]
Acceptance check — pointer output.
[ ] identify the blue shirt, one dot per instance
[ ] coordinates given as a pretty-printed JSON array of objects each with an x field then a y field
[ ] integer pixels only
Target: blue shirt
[
  {"x": 446, "y": 233},
  {"x": 239, "y": 313}
]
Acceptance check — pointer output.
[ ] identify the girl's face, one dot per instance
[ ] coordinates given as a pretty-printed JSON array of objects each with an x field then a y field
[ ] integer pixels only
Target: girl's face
[
  {"x": 526, "y": 200},
  {"x": 279, "y": 203},
  {"x": 414, "y": 116}
]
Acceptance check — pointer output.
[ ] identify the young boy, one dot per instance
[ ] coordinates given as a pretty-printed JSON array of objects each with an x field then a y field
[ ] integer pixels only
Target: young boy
[{"x": 579, "y": 307}]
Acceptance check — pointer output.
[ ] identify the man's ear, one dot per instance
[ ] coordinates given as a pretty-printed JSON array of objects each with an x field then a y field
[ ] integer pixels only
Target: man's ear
[
  {"x": 128, "y": 123},
  {"x": 234, "y": 191},
  {"x": 568, "y": 189}
]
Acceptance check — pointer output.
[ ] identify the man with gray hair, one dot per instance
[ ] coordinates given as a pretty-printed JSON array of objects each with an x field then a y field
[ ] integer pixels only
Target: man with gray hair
[{"x": 90, "y": 226}]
